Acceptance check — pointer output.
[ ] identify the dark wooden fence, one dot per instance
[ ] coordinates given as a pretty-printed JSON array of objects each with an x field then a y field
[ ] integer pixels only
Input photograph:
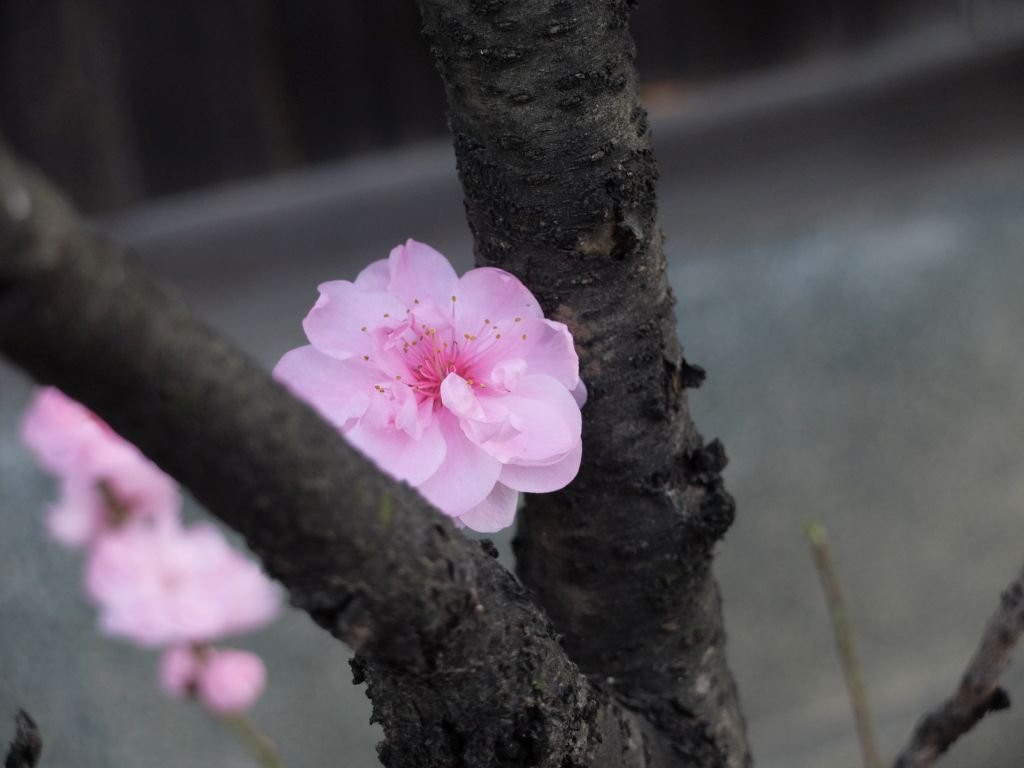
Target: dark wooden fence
[{"x": 125, "y": 99}]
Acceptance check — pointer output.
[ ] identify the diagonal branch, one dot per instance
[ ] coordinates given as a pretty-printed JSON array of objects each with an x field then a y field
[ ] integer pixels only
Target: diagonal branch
[
  {"x": 978, "y": 692},
  {"x": 555, "y": 159},
  {"x": 463, "y": 669}
]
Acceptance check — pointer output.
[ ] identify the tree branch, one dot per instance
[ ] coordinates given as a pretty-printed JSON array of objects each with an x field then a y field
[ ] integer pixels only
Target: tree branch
[
  {"x": 979, "y": 692},
  {"x": 554, "y": 155},
  {"x": 462, "y": 667},
  {"x": 27, "y": 744}
]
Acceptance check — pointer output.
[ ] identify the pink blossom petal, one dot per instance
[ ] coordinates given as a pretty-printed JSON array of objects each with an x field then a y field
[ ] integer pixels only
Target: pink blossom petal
[
  {"x": 179, "y": 670},
  {"x": 458, "y": 397},
  {"x": 53, "y": 427},
  {"x": 410, "y": 416},
  {"x": 579, "y": 393},
  {"x": 466, "y": 476},
  {"x": 344, "y": 316},
  {"x": 231, "y": 681},
  {"x": 395, "y": 451},
  {"x": 375, "y": 277},
  {"x": 546, "y": 346},
  {"x": 543, "y": 478},
  {"x": 420, "y": 274},
  {"x": 77, "y": 516},
  {"x": 494, "y": 513},
  {"x": 64, "y": 434},
  {"x": 489, "y": 294},
  {"x": 544, "y": 417},
  {"x": 388, "y": 355},
  {"x": 550, "y": 351},
  {"x": 506, "y": 374},
  {"x": 233, "y": 586},
  {"x": 338, "y": 389},
  {"x": 480, "y": 424}
]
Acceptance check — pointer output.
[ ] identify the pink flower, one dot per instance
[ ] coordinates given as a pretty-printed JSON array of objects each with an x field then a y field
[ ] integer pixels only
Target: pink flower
[
  {"x": 458, "y": 386},
  {"x": 168, "y": 585},
  {"x": 105, "y": 482},
  {"x": 230, "y": 681}
]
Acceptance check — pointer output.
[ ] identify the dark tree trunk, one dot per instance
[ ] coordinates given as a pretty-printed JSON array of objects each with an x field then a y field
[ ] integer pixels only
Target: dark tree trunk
[{"x": 554, "y": 155}]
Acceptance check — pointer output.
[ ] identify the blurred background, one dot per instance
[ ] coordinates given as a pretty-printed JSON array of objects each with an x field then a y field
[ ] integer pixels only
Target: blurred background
[
  {"x": 121, "y": 101},
  {"x": 843, "y": 198}
]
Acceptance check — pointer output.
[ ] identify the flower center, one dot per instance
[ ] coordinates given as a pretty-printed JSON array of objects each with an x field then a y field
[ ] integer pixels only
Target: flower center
[
  {"x": 431, "y": 356},
  {"x": 432, "y": 353}
]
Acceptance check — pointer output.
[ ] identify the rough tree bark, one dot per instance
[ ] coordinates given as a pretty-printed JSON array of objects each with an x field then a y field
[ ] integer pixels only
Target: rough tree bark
[{"x": 554, "y": 155}]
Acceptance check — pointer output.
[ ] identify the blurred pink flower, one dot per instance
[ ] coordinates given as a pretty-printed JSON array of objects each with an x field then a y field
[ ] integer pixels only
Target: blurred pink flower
[
  {"x": 168, "y": 585},
  {"x": 154, "y": 582},
  {"x": 105, "y": 481},
  {"x": 230, "y": 681},
  {"x": 458, "y": 386}
]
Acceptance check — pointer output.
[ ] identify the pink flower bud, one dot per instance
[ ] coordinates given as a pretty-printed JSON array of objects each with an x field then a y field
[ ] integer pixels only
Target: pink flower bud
[{"x": 231, "y": 681}]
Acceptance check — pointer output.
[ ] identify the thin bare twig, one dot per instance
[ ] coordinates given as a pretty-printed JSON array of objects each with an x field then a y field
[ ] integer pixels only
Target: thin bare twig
[
  {"x": 27, "y": 744},
  {"x": 844, "y": 643},
  {"x": 978, "y": 692},
  {"x": 255, "y": 740}
]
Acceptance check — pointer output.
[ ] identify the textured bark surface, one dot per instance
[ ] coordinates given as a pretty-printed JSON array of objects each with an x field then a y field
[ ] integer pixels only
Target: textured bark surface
[
  {"x": 462, "y": 667},
  {"x": 554, "y": 155}
]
